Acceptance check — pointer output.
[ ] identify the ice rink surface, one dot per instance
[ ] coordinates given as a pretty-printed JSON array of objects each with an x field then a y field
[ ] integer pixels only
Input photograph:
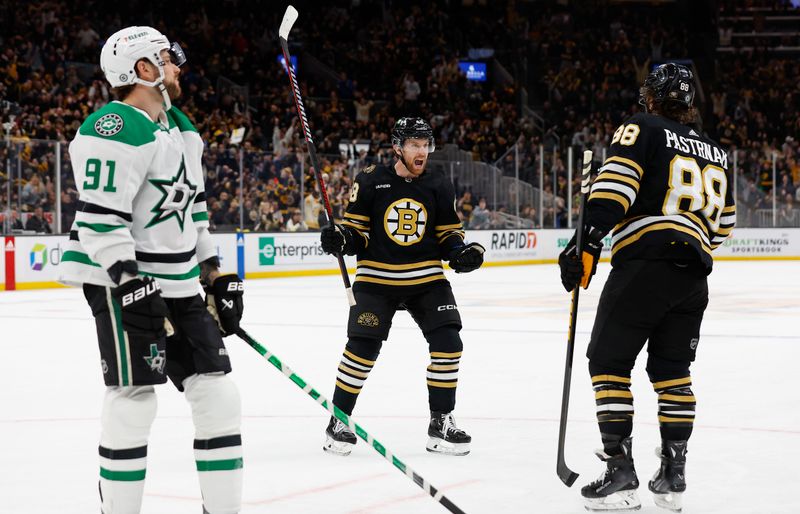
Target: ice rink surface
[{"x": 743, "y": 457}]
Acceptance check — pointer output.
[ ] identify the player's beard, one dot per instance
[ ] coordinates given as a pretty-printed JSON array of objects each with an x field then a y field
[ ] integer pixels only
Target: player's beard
[
  {"x": 173, "y": 89},
  {"x": 416, "y": 169}
]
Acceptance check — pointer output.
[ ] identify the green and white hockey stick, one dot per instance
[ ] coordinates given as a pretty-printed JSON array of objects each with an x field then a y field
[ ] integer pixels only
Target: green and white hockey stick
[{"x": 355, "y": 427}]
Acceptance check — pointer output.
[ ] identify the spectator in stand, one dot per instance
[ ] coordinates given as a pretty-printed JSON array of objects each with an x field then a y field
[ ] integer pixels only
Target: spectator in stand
[
  {"x": 411, "y": 92},
  {"x": 69, "y": 207},
  {"x": 313, "y": 209},
  {"x": 584, "y": 86},
  {"x": 464, "y": 205},
  {"x": 281, "y": 139},
  {"x": 14, "y": 222},
  {"x": 33, "y": 193},
  {"x": 362, "y": 107},
  {"x": 37, "y": 223},
  {"x": 481, "y": 217},
  {"x": 787, "y": 214},
  {"x": 296, "y": 223}
]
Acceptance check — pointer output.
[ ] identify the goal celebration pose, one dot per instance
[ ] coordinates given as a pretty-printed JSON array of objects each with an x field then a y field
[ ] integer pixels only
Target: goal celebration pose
[
  {"x": 401, "y": 223},
  {"x": 138, "y": 246},
  {"x": 665, "y": 193}
]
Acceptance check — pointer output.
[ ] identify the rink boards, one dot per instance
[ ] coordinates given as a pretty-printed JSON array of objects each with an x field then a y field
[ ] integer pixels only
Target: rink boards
[{"x": 31, "y": 262}]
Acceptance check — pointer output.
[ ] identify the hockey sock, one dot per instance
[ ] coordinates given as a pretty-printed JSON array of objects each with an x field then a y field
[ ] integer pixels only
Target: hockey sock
[
  {"x": 614, "y": 401},
  {"x": 216, "y": 412},
  {"x": 357, "y": 361},
  {"x": 676, "y": 404},
  {"x": 445, "y": 348},
  {"x": 128, "y": 413}
]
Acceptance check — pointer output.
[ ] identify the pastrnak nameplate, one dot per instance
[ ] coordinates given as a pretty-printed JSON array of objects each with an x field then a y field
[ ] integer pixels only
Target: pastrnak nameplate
[{"x": 368, "y": 319}]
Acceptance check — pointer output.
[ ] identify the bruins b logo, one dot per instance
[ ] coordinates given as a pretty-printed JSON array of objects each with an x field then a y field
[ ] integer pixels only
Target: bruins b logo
[{"x": 405, "y": 221}]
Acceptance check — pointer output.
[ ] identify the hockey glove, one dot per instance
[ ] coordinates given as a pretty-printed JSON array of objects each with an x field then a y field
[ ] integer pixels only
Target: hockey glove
[
  {"x": 576, "y": 271},
  {"x": 143, "y": 308},
  {"x": 224, "y": 301},
  {"x": 338, "y": 239},
  {"x": 466, "y": 258}
]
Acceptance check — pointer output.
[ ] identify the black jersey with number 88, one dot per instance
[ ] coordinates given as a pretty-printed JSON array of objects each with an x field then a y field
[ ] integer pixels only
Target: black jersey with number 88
[{"x": 666, "y": 192}]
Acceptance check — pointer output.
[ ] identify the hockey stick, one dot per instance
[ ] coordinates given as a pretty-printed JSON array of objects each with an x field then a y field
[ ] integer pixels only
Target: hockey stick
[
  {"x": 355, "y": 427},
  {"x": 564, "y": 473},
  {"x": 289, "y": 17}
]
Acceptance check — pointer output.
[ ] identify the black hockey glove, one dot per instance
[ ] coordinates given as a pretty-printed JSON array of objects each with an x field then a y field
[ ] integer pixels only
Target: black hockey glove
[
  {"x": 466, "y": 258},
  {"x": 338, "y": 239},
  {"x": 143, "y": 308},
  {"x": 576, "y": 271},
  {"x": 224, "y": 300}
]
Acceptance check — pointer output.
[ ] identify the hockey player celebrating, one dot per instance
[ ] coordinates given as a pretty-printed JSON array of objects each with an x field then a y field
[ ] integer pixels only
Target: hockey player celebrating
[
  {"x": 139, "y": 244},
  {"x": 400, "y": 223},
  {"x": 665, "y": 192}
]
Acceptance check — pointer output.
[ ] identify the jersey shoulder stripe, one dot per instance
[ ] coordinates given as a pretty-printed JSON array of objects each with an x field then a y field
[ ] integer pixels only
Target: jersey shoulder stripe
[
  {"x": 117, "y": 121},
  {"x": 178, "y": 119}
]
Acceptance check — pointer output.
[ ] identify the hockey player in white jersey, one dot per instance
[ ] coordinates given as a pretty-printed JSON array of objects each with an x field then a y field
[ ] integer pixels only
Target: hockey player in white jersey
[{"x": 140, "y": 248}]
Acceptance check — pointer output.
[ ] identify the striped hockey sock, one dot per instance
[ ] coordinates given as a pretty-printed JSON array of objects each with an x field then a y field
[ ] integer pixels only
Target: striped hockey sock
[
  {"x": 357, "y": 361},
  {"x": 219, "y": 468},
  {"x": 122, "y": 474},
  {"x": 676, "y": 408},
  {"x": 442, "y": 380},
  {"x": 614, "y": 401}
]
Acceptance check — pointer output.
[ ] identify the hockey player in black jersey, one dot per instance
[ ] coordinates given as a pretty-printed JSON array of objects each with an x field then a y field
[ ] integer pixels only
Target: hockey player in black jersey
[
  {"x": 401, "y": 223},
  {"x": 664, "y": 194}
]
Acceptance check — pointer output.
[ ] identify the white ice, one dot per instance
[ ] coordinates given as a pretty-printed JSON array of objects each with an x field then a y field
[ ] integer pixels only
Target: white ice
[{"x": 743, "y": 456}]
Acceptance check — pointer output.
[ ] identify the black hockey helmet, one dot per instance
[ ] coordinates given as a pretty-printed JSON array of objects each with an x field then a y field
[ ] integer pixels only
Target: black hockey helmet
[
  {"x": 669, "y": 83},
  {"x": 412, "y": 128}
]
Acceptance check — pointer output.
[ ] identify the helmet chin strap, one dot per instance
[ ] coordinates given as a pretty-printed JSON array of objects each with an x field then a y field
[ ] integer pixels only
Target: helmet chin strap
[{"x": 159, "y": 83}]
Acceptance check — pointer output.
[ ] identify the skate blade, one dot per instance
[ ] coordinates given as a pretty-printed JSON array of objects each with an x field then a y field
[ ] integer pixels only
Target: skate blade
[
  {"x": 670, "y": 501},
  {"x": 436, "y": 445},
  {"x": 620, "y": 501},
  {"x": 340, "y": 448}
]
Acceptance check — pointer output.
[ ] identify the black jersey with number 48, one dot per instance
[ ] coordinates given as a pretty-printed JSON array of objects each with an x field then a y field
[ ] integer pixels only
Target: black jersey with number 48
[
  {"x": 666, "y": 192},
  {"x": 408, "y": 226}
]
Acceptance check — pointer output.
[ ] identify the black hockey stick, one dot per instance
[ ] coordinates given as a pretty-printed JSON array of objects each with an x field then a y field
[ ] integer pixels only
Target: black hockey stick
[
  {"x": 347, "y": 420},
  {"x": 564, "y": 473},
  {"x": 286, "y": 26}
]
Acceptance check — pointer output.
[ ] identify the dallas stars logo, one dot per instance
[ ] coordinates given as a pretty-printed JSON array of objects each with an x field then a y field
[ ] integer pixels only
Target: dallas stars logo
[
  {"x": 109, "y": 124},
  {"x": 177, "y": 194},
  {"x": 157, "y": 358}
]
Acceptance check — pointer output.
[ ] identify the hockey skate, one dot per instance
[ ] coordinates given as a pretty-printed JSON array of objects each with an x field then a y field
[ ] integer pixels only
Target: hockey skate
[
  {"x": 445, "y": 437},
  {"x": 340, "y": 439},
  {"x": 669, "y": 482},
  {"x": 615, "y": 490}
]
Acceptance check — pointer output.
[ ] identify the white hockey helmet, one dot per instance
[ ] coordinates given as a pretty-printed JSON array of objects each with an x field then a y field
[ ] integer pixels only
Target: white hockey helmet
[{"x": 126, "y": 47}]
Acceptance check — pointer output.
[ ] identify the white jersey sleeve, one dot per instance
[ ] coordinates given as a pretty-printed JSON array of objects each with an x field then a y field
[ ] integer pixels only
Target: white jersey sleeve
[{"x": 109, "y": 171}]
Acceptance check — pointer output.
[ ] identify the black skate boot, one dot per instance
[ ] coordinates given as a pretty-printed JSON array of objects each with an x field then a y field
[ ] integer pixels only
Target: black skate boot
[
  {"x": 669, "y": 482},
  {"x": 616, "y": 488},
  {"x": 340, "y": 439},
  {"x": 445, "y": 437}
]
